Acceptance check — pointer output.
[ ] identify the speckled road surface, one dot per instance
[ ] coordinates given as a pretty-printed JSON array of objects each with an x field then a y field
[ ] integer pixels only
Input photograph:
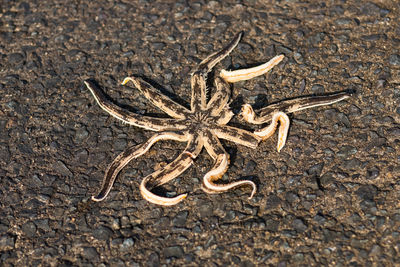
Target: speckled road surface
[{"x": 330, "y": 197}]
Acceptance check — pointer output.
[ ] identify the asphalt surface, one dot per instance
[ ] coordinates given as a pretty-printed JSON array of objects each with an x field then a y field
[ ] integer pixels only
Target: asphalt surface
[{"x": 330, "y": 197}]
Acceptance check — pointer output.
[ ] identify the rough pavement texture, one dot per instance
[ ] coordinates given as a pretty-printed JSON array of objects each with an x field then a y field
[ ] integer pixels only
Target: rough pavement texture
[{"x": 331, "y": 197}]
